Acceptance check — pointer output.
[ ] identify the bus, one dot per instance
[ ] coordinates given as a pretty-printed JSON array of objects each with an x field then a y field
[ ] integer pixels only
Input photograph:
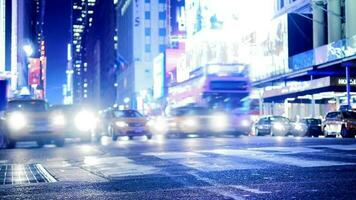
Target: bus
[{"x": 221, "y": 86}]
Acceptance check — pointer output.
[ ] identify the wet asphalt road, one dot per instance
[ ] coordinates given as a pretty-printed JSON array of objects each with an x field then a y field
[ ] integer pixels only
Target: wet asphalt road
[{"x": 191, "y": 168}]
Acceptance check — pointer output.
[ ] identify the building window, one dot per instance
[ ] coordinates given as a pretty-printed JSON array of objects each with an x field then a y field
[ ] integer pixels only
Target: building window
[
  {"x": 147, "y": 15},
  {"x": 162, "y": 32},
  {"x": 162, "y": 15},
  {"x": 148, "y": 48},
  {"x": 147, "y": 32},
  {"x": 162, "y": 48}
]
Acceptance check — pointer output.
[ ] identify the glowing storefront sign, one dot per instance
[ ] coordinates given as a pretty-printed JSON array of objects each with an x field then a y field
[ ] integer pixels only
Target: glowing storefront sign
[
  {"x": 158, "y": 76},
  {"x": 2, "y": 35}
]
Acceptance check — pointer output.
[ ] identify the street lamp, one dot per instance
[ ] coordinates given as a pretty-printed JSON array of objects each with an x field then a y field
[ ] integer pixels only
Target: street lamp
[{"x": 28, "y": 50}]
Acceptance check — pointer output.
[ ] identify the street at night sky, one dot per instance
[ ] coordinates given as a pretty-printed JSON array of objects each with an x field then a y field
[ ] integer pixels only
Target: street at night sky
[{"x": 57, "y": 35}]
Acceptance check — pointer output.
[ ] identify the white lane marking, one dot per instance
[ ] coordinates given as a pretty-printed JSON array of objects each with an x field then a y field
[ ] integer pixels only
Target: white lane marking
[
  {"x": 347, "y": 147},
  {"x": 223, "y": 189},
  {"x": 175, "y": 155},
  {"x": 278, "y": 159},
  {"x": 117, "y": 166},
  {"x": 286, "y": 150},
  {"x": 215, "y": 164}
]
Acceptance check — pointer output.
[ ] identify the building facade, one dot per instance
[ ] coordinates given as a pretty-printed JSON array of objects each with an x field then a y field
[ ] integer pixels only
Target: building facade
[
  {"x": 313, "y": 81},
  {"x": 142, "y": 36},
  {"x": 81, "y": 18},
  {"x": 21, "y": 25}
]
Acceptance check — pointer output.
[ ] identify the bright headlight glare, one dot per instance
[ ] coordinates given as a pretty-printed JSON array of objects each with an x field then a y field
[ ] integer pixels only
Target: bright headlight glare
[
  {"x": 278, "y": 126},
  {"x": 158, "y": 125},
  {"x": 17, "y": 121},
  {"x": 219, "y": 122},
  {"x": 85, "y": 121},
  {"x": 58, "y": 120},
  {"x": 245, "y": 123},
  {"x": 190, "y": 124},
  {"x": 298, "y": 127},
  {"x": 121, "y": 124}
]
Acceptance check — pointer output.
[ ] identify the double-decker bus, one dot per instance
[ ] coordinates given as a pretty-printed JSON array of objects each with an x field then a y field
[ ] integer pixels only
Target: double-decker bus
[{"x": 223, "y": 86}]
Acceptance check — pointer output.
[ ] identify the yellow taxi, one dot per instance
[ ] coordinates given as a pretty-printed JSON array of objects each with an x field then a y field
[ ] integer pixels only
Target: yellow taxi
[{"x": 130, "y": 123}]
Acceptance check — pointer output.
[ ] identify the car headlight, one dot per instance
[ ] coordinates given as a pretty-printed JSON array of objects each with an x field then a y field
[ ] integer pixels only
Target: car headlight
[
  {"x": 17, "y": 121},
  {"x": 58, "y": 120},
  {"x": 85, "y": 121},
  {"x": 298, "y": 127},
  {"x": 158, "y": 125},
  {"x": 219, "y": 122},
  {"x": 121, "y": 124},
  {"x": 278, "y": 126},
  {"x": 190, "y": 124},
  {"x": 245, "y": 123}
]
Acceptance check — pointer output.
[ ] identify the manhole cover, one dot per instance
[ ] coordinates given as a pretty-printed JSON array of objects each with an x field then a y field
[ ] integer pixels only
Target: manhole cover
[{"x": 23, "y": 174}]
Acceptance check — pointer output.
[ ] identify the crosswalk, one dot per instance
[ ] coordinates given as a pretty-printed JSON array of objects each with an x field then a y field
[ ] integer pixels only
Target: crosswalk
[
  {"x": 216, "y": 160},
  {"x": 105, "y": 167}
]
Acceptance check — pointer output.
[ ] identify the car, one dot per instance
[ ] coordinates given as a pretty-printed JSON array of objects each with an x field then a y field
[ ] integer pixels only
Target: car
[
  {"x": 75, "y": 121},
  {"x": 341, "y": 123},
  {"x": 204, "y": 121},
  {"x": 29, "y": 120},
  {"x": 307, "y": 127},
  {"x": 118, "y": 123},
  {"x": 272, "y": 125}
]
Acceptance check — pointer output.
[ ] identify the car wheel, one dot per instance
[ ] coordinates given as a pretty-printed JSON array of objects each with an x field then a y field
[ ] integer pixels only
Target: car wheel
[
  {"x": 345, "y": 133},
  {"x": 131, "y": 137},
  {"x": 40, "y": 143},
  {"x": 59, "y": 142},
  {"x": 149, "y": 137}
]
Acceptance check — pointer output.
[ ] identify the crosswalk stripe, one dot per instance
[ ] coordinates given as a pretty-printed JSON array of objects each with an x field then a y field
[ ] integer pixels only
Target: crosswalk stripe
[
  {"x": 175, "y": 155},
  {"x": 118, "y": 166},
  {"x": 350, "y": 147},
  {"x": 278, "y": 159},
  {"x": 286, "y": 150}
]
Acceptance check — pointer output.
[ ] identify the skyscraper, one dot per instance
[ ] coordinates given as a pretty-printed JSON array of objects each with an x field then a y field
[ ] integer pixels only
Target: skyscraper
[
  {"x": 142, "y": 36},
  {"x": 82, "y": 17}
]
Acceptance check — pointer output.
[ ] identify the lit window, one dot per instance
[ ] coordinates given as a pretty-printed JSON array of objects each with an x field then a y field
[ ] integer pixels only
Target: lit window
[
  {"x": 162, "y": 15},
  {"x": 147, "y": 32},
  {"x": 147, "y": 15},
  {"x": 162, "y": 32},
  {"x": 148, "y": 48}
]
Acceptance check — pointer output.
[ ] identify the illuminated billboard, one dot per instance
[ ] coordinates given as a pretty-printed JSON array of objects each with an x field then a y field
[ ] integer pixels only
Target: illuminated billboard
[
  {"x": 177, "y": 19},
  {"x": 216, "y": 29},
  {"x": 34, "y": 74},
  {"x": 271, "y": 49},
  {"x": 158, "y": 76}
]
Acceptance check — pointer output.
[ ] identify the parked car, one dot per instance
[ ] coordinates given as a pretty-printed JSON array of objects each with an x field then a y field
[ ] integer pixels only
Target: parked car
[
  {"x": 204, "y": 121},
  {"x": 272, "y": 125},
  {"x": 340, "y": 123},
  {"x": 74, "y": 121},
  {"x": 307, "y": 127},
  {"x": 117, "y": 123},
  {"x": 29, "y": 120}
]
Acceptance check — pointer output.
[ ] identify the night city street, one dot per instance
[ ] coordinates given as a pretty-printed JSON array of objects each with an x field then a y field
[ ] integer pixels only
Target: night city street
[
  {"x": 177, "y": 99},
  {"x": 191, "y": 168}
]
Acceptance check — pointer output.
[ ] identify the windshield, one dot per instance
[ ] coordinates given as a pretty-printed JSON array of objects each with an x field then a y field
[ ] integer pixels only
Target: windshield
[
  {"x": 349, "y": 115},
  {"x": 313, "y": 121},
  {"x": 127, "y": 114},
  {"x": 191, "y": 111},
  {"x": 279, "y": 119},
  {"x": 30, "y": 106}
]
